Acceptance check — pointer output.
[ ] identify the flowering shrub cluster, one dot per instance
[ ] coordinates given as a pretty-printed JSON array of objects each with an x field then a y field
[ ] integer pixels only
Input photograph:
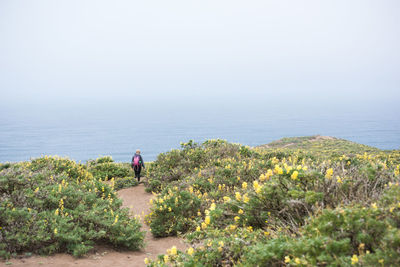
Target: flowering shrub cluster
[
  {"x": 173, "y": 212},
  {"x": 277, "y": 206},
  {"x": 53, "y": 205},
  {"x": 105, "y": 168},
  {"x": 125, "y": 182}
]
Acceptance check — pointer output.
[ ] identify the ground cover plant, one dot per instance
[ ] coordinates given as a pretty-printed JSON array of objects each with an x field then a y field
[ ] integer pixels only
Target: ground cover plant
[
  {"x": 311, "y": 201},
  {"x": 52, "y": 204},
  {"x": 105, "y": 169}
]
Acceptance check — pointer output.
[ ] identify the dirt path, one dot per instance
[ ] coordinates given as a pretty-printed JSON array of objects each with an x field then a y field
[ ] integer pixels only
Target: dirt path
[{"x": 137, "y": 200}]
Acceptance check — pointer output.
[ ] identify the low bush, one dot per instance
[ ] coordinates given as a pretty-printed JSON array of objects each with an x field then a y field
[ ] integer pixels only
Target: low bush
[
  {"x": 172, "y": 212},
  {"x": 125, "y": 182},
  {"x": 253, "y": 206},
  {"x": 54, "y": 205},
  {"x": 105, "y": 168}
]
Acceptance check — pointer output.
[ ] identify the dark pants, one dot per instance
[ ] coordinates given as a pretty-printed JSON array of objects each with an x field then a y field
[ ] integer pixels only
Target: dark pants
[{"x": 137, "y": 172}]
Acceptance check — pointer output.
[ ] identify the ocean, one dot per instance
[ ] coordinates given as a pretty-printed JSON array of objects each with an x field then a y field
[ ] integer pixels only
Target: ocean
[{"x": 82, "y": 136}]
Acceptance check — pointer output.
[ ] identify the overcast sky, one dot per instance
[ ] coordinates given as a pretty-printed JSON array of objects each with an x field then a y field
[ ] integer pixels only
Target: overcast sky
[{"x": 199, "y": 53}]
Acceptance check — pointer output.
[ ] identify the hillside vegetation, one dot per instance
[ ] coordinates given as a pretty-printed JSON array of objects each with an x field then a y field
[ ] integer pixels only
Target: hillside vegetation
[
  {"x": 52, "y": 204},
  {"x": 308, "y": 201},
  {"x": 305, "y": 201}
]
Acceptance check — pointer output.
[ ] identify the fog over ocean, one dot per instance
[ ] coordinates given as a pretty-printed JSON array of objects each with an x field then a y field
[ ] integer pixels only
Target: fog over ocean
[
  {"x": 82, "y": 137},
  {"x": 88, "y": 78}
]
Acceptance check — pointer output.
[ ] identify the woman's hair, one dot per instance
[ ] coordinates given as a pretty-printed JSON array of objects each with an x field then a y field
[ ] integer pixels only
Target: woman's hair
[{"x": 138, "y": 151}]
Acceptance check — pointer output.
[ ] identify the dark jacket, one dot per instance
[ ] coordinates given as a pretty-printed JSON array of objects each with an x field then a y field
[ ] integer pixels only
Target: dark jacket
[{"x": 141, "y": 162}]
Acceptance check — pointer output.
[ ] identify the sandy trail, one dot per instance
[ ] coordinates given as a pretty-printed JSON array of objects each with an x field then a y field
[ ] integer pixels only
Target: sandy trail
[{"x": 137, "y": 200}]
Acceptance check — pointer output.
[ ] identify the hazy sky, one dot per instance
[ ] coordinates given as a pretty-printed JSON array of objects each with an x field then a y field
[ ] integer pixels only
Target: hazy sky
[{"x": 181, "y": 54}]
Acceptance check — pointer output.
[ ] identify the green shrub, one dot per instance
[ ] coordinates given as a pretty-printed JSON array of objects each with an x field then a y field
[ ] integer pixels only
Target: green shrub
[
  {"x": 125, "y": 182},
  {"x": 105, "y": 159},
  {"x": 54, "y": 205},
  {"x": 172, "y": 212},
  {"x": 259, "y": 202},
  {"x": 105, "y": 168},
  {"x": 4, "y": 166},
  {"x": 333, "y": 238}
]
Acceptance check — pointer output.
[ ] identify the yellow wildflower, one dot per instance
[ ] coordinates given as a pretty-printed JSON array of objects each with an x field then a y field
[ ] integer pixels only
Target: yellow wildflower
[
  {"x": 240, "y": 211},
  {"x": 294, "y": 175},
  {"x": 238, "y": 196},
  {"x": 287, "y": 259},
  {"x": 245, "y": 198},
  {"x": 269, "y": 174},
  {"x": 227, "y": 199},
  {"x": 278, "y": 169},
  {"x": 166, "y": 258},
  {"x": 173, "y": 251},
  {"x": 288, "y": 169},
  {"x": 146, "y": 261},
  {"x": 244, "y": 185},
  {"x": 232, "y": 227},
  {"x": 354, "y": 260},
  {"x": 213, "y": 206},
  {"x": 329, "y": 173},
  {"x": 258, "y": 190},
  {"x": 190, "y": 251},
  {"x": 255, "y": 185},
  {"x": 207, "y": 220}
]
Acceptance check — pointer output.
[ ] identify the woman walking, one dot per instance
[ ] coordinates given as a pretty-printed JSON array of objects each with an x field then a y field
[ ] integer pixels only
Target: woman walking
[{"x": 137, "y": 164}]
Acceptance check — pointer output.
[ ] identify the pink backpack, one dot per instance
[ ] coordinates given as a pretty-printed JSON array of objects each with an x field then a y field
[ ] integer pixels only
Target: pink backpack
[{"x": 136, "y": 161}]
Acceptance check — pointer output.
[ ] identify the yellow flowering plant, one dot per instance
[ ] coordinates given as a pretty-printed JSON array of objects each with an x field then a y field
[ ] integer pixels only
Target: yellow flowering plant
[
  {"x": 270, "y": 206},
  {"x": 64, "y": 209}
]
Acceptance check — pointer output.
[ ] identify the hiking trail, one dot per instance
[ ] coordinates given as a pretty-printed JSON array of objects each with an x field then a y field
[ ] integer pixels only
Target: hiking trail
[{"x": 137, "y": 200}]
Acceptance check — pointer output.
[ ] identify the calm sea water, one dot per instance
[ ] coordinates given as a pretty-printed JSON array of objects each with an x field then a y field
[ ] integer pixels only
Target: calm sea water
[{"x": 82, "y": 137}]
